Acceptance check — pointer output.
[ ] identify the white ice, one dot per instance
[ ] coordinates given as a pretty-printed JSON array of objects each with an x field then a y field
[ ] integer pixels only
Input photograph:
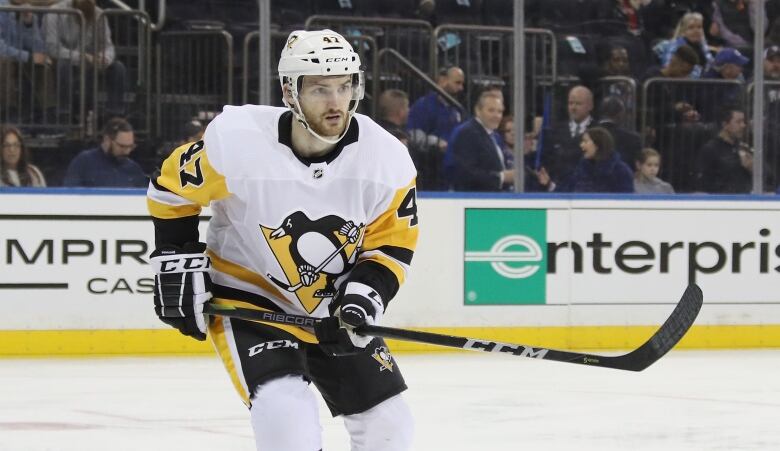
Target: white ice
[{"x": 725, "y": 400}]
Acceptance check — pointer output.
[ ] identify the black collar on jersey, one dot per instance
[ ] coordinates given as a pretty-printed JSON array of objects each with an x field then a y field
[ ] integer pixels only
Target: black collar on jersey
[{"x": 285, "y": 137}]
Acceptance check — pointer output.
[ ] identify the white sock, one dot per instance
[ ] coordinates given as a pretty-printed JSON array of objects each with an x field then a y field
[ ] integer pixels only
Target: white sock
[
  {"x": 388, "y": 426},
  {"x": 285, "y": 416}
]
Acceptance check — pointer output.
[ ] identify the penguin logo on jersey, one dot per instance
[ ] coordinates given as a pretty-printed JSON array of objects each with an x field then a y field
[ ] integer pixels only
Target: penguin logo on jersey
[
  {"x": 382, "y": 355},
  {"x": 312, "y": 254}
]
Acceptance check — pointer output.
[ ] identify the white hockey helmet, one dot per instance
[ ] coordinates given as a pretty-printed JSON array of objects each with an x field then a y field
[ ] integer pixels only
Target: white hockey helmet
[{"x": 322, "y": 52}]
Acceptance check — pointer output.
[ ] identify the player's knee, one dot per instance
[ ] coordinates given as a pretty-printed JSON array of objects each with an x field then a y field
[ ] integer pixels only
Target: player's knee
[
  {"x": 285, "y": 416},
  {"x": 388, "y": 426}
]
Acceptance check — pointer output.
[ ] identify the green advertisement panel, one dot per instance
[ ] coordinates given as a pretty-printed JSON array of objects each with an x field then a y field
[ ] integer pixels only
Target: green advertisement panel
[{"x": 505, "y": 256}]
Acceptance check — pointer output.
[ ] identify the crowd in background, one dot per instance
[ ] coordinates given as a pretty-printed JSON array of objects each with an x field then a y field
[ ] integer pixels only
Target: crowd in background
[{"x": 588, "y": 149}]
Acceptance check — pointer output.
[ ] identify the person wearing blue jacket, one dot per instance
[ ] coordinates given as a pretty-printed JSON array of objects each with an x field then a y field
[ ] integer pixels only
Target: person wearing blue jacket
[
  {"x": 600, "y": 170},
  {"x": 22, "y": 44}
]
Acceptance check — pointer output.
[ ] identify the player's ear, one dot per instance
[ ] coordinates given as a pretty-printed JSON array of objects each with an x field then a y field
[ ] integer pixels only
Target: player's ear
[{"x": 286, "y": 93}]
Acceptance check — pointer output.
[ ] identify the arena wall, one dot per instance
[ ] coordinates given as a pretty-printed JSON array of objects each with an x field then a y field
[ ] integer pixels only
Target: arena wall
[{"x": 595, "y": 272}]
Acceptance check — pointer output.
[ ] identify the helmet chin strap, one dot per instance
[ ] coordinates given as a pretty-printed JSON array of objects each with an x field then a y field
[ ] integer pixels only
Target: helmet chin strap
[{"x": 298, "y": 113}]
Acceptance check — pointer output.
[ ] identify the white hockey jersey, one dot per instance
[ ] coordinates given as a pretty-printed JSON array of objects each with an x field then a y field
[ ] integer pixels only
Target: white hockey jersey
[{"x": 287, "y": 228}]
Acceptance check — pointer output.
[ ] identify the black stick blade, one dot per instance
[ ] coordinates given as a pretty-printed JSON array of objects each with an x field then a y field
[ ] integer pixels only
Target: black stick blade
[{"x": 666, "y": 337}]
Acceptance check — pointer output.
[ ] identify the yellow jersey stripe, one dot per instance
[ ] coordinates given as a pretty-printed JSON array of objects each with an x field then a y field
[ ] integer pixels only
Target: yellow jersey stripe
[
  {"x": 244, "y": 274},
  {"x": 219, "y": 338}
]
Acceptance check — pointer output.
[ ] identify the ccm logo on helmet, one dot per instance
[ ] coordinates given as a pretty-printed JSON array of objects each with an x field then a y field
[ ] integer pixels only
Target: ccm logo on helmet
[{"x": 335, "y": 60}]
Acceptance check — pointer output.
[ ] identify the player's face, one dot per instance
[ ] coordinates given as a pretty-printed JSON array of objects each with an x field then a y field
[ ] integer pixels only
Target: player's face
[
  {"x": 650, "y": 167},
  {"x": 122, "y": 145},
  {"x": 12, "y": 150},
  {"x": 588, "y": 147},
  {"x": 325, "y": 103}
]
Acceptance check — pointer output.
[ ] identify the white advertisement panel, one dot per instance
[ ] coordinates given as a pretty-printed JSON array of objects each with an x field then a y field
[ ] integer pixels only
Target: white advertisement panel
[{"x": 78, "y": 261}]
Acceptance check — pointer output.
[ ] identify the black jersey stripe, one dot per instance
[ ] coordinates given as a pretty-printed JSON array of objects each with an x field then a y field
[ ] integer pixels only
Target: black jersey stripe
[{"x": 401, "y": 254}]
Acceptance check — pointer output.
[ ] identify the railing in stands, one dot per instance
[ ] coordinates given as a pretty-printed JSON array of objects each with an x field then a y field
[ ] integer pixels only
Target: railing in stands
[
  {"x": 46, "y": 100},
  {"x": 131, "y": 36},
  {"x": 678, "y": 116},
  {"x": 409, "y": 37},
  {"x": 485, "y": 55},
  {"x": 194, "y": 78}
]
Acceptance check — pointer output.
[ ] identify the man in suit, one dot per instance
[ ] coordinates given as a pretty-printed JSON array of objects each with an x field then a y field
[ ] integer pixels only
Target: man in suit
[
  {"x": 478, "y": 162},
  {"x": 627, "y": 143},
  {"x": 562, "y": 143}
]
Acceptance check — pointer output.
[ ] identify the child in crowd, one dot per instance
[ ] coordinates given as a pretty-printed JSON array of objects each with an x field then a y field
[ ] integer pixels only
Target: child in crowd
[{"x": 646, "y": 179}]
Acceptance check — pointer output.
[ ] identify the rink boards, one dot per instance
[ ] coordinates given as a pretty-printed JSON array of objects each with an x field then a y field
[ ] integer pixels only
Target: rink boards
[{"x": 594, "y": 272}]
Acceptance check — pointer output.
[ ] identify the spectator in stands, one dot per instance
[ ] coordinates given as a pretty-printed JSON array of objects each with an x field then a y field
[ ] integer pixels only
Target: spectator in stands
[
  {"x": 23, "y": 52},
  {"x": 666, "y": 103},
  {"x": 506, "y": 133},
  {"x": 733, "y": 21},
  {"x": 620, "y": 17},
  {"x": 62, "y": 43},
  {"x": 108, "y": 165},
  {"x": 627, "y": 142},
  {"x": 725, "y": 163},
  {"x": 479, "y": 163},
  {"x": 15, "y": 166},
  {"x": 599, "y": 170},
  {"x": 772, "y": 63},
  {"x": 393, "y": 112},
  {"x": 431, "y": 118},
  {"x": 431, "y": 121},
  {"x": 646, "y": 179},
  {"x": 728, "y": 64},
  {"x": 617, "y": 64},
  {"x": 193, "y": 131},
  {"x": 562, "y": 150},
  {"x": 690, "y": 32},
  {"x": 680, "y": 65}
]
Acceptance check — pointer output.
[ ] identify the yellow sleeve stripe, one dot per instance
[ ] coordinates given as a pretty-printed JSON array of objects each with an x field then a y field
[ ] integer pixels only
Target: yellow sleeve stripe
[
  {"x": 396, "y": 268},
  {"x": 244, "y": 274},
  {"x": 299, "y": 333},
  {"x": 165, "y": 211},
  {"x": 196, "y": 180},
  {"x": 391, "y": 230}
]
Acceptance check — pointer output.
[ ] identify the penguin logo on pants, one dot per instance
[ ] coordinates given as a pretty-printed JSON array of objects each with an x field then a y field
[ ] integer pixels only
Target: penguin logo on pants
[{"x": 312, "y": 254}]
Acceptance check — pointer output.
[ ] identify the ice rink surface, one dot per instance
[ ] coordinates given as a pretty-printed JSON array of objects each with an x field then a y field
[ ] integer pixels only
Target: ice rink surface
[{"x": 687, "y": 401}]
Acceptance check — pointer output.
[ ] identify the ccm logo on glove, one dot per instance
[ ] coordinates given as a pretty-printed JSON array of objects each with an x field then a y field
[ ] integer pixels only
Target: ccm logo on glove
[{"x": 186, "y": 264}]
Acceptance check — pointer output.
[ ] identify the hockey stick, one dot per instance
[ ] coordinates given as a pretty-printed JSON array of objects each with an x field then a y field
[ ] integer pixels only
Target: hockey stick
[{"x": 660, "y": 343}]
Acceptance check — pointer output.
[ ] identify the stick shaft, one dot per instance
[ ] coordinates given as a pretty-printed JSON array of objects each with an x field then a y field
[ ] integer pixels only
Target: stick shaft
[{"x": 659, "y": 344}]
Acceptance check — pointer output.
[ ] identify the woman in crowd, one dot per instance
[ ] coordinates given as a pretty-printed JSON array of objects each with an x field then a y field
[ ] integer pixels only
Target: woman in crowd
[
  {"x": 600, "y": 170},
  {"x": 15, "y": 169},
  {"x": 690, "y": 32},
  {"x": 646, "y": 179}
]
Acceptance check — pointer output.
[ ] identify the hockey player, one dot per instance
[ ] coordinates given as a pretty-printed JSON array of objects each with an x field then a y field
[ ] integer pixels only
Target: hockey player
[{"x": 313, "y": 212}]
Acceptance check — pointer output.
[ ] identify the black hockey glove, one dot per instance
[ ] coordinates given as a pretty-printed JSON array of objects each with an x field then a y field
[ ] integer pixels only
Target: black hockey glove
[
  {"x": 359, "y": 305},
  {"x": 181, "y": 286}
]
